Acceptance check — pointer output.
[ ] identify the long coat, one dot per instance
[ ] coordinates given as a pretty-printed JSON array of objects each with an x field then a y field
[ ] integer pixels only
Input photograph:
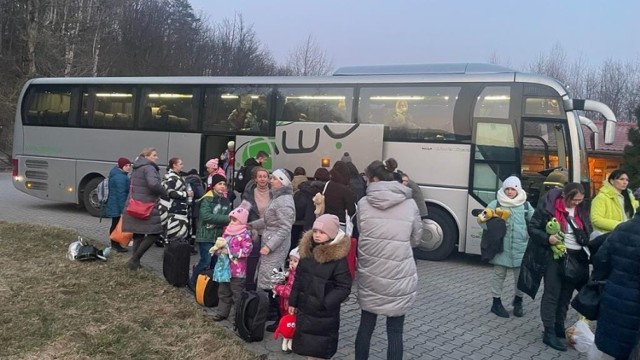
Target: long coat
[
  {"x": 118, "y": 192},
  {"x": 618, "y": 261},
  {"x": 390, "y": 226},
  {"x": 146, "y": 186},
  {"x": 538, "y": 252},
  {"x": 278, "y": 219},
  {"x": 606, "y": 209},
  {"x": 338, "y": 198},
  {"x": 515, "y": 240},
  {"x": 321, "y": 284}
]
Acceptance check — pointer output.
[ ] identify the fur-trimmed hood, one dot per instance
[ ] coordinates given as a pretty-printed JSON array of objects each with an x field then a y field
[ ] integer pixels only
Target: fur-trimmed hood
[{"x": 335, "y": 249}]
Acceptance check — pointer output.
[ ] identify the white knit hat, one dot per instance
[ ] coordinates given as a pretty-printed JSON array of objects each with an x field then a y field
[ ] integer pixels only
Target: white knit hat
[
  {"x": 512, "y": 182},
  {"x": 295, "y": 253},
  {"x": 282, "y": 176}
]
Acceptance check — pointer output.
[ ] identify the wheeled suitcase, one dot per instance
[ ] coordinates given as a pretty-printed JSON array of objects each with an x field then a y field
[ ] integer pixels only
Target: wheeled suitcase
[
  {"x": 175, "y": 262},
  {"x": 206, "y": 290}
]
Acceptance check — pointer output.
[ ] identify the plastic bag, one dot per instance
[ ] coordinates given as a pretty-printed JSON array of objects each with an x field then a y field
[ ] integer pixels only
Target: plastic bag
[{"x": 582, "y": 336}]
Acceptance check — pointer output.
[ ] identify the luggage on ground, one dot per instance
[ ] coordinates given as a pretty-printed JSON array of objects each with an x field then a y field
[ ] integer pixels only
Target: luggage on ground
[
  {"x": 251, "y": 315},
  {"x": 206, "y": 290},
  {"x": 175, "y": 262}
]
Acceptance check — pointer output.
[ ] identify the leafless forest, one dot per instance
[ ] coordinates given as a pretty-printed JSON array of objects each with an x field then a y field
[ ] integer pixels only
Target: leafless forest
[{"x": 46, "y": 38}]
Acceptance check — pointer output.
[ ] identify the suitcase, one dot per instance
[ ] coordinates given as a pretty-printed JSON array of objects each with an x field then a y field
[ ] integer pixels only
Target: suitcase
[
  {"x": 175, "y": 262},
  {"x": 206, "y": 290}
]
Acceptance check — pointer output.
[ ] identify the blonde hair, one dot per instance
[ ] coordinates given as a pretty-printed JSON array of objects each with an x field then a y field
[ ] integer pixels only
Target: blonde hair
[{"x": 147, "y": 151}]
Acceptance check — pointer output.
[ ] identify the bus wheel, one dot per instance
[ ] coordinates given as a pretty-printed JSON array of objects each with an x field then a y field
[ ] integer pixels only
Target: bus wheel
[
  {"x": 90, "y": 197},
  {"x": 439, "y": 234}
]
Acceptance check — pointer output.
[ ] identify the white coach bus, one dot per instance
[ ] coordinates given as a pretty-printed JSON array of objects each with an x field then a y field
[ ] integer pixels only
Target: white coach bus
[{"x": 457, "y": 130}]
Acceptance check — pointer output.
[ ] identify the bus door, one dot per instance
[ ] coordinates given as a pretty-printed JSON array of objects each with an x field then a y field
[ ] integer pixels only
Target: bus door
[
  {"x": 213, "y": 147},
  {"x": 494, "y": 156}
]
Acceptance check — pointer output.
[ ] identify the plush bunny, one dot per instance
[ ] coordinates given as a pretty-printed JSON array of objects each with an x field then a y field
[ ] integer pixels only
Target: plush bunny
[{"x": 318, "y": 201}]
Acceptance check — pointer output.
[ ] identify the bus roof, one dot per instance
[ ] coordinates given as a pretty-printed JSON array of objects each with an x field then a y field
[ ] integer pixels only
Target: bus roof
[{"x": 403, "y": 74}]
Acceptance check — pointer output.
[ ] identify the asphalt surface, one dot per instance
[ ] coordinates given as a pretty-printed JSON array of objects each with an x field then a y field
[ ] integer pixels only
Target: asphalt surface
[{"x": 450, "y": 319}]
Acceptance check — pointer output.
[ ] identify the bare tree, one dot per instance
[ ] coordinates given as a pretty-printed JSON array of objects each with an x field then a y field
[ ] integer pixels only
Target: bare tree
[{"x": 308, "y": 59}]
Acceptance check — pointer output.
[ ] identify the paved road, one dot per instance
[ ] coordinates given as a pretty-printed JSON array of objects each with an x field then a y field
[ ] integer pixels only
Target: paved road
[{"x": 451, "y": 318}]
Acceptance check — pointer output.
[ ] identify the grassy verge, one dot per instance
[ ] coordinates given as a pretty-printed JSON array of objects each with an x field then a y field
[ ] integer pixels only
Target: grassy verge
[{"x": 51, "y": 307}]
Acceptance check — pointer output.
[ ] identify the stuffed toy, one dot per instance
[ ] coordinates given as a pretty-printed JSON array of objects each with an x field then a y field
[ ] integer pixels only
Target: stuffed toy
[
  {"x": 318, "y": 201},
  {"x": 220, "y": 243},
  {"x": 553, "y": 228},
  {"x": 491, "y": 213},
  {"x": 286, "y": 328}
]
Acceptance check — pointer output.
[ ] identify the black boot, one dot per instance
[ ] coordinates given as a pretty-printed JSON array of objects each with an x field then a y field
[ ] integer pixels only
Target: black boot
[
  {"x": 273, "y": 326},
  {"x": 117, "y": 247},
  {"x": 144, "y": 245},
  {"x": 560, "y": 331},
  {"x": 498, "y": 309},
  {"x": 517, "y": 306},
  {"x": 550, "y": 339}
]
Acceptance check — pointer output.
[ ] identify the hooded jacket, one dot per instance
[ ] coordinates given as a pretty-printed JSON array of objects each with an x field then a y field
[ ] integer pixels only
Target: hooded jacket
[
  {"x": 214, "y": 215},
  {"x": 146, "y": 186},
  {"x": 390, "y": 226},
  {"x": 322, "y": 283},
  {"x": 618, "y": 262},
  {"x": 516, "y": 237},
  {"x": 277, "y": 222},
  {"x": 118, "y": 192},
  {"x": 606, "y": 209}
]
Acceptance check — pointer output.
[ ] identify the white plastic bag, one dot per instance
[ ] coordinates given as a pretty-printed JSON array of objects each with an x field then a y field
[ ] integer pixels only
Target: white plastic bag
[{"x": 582, "y": 336}]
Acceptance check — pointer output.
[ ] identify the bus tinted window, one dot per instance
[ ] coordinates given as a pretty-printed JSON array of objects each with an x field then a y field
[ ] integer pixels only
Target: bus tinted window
[
  {"x": 237, "y": 109},
  {"x": 543, "y": 107},
  {"x": 315, "y": 104},
  {"x": 49, "y": 105},
  {"x": 169, "y": 108},
  {"x": 108, "y": 107},
  {"x": 410, "y": 113},
  {"x": 493, "y": 102}
]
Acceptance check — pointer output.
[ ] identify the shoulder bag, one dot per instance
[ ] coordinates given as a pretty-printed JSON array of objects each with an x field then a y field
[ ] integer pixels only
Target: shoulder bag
[{"x": 139, "y": 209}]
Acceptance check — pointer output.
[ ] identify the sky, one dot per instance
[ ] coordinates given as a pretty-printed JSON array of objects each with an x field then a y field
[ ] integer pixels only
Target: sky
[{"x": 376, "y": 32}]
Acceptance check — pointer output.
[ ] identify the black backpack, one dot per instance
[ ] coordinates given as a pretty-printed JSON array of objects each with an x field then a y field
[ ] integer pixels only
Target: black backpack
[
  {"x": 251, "y": 315},
  {"x": 241, "y": 179}
]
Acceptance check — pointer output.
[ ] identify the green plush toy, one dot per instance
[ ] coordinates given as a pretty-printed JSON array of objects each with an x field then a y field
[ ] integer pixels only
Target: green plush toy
[{"x": 553, "y": 228}]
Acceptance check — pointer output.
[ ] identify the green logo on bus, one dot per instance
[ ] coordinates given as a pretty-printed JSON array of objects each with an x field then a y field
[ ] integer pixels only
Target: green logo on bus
[{"x": 265, "y": 144}]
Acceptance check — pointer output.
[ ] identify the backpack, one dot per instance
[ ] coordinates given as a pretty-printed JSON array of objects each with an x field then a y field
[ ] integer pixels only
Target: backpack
[
  {"x": 103, "y": 191},
  {"x": 206, "y": 290},
  {"x": 251, "y": 315},
  {"x": 241, "y": 179}
]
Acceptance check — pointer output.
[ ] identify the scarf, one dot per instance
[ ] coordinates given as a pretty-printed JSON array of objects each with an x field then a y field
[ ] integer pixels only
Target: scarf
[
  {"x": 508, "y": 202},
  {"x": 235, "y": 229},
  {"x": 561, "y": 214},
  {"x": 262, "y": 199}
]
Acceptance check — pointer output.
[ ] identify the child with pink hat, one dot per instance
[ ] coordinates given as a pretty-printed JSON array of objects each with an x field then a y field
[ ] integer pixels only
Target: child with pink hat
[{"x": 239, "y": 245}]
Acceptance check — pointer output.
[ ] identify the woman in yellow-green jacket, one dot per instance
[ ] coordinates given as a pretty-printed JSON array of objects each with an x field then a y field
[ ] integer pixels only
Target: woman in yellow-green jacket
[{"x": 613, "y": 205}]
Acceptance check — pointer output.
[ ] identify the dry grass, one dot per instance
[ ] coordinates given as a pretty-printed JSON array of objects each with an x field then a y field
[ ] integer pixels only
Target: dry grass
[{"x": 53, "y": 308}]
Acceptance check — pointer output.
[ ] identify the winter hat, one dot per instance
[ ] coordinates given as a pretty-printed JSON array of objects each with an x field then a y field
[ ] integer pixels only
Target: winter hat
[
  {"x": 216, "y": 178},
  {"x": 295, "y": 253},
  {"x": 122, "y": 162},
  {"x": 282, "y": 176},
  {"x": 512, "y": 182},
  {"x": 212, "y": 163},
  {"x": 328, "y": 224},
  {"x": 241, "y": 213},
  {"x": 322, "y": 174},
  {"x": 231, "y": 144},
  {"x": 286, "y": 327},
  {"x": 192, "y": 172},
  {"x": 340, "y": 173},
  {"x": 346, "y": 158}
]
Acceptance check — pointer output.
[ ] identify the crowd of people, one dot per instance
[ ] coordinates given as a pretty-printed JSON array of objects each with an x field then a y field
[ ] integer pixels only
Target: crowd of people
[{"x": 287, "y": 216}]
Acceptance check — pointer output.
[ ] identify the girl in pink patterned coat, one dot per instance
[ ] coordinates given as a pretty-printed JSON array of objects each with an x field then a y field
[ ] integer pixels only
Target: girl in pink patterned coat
[
  {"x": 239, "y": 245},
  {"x": 284, "y": 290}
]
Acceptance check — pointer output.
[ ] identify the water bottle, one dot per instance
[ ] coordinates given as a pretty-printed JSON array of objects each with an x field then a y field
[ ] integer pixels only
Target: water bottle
[{"x": 189, "y": 194}]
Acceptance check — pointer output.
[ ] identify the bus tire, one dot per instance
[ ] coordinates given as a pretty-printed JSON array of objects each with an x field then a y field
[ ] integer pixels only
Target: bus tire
[
  {"x": 90, "y": 197},
  {"x": 439, "y": 237}
]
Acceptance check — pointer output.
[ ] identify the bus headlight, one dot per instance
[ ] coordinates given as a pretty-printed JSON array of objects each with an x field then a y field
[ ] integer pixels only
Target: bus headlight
[
  {"x": 70, "y": 189},
  {"x": 28, "y": 184}
]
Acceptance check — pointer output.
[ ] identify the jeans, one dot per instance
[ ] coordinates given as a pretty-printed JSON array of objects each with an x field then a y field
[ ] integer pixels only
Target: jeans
[
  {"x": 394, "y": 336},
  {"x": 205, "y": 260}
]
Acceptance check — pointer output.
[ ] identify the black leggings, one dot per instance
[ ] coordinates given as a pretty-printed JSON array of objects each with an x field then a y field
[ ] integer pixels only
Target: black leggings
[
  {"x": 394, "y": 336},
  {"x": 114, "y": 223}
]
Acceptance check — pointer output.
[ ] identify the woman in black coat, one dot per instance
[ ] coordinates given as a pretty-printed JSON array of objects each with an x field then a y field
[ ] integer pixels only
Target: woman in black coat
[
  {"x": 618, "y": 262},
  {"x": 567, "y": 207},
  {"x": 322, "y": 283}
]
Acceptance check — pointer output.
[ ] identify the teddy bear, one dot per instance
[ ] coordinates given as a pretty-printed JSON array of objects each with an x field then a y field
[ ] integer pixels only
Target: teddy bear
[
  {"x": 553, "y": 228},
  {"x": 318, "y": 201},
  {"x": 286, "y": 328},
  {"x": 491, "y": 213}
]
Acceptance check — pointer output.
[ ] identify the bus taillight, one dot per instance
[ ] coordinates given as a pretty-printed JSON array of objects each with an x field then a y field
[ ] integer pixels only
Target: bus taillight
[{"x": 14, "y": 164}]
